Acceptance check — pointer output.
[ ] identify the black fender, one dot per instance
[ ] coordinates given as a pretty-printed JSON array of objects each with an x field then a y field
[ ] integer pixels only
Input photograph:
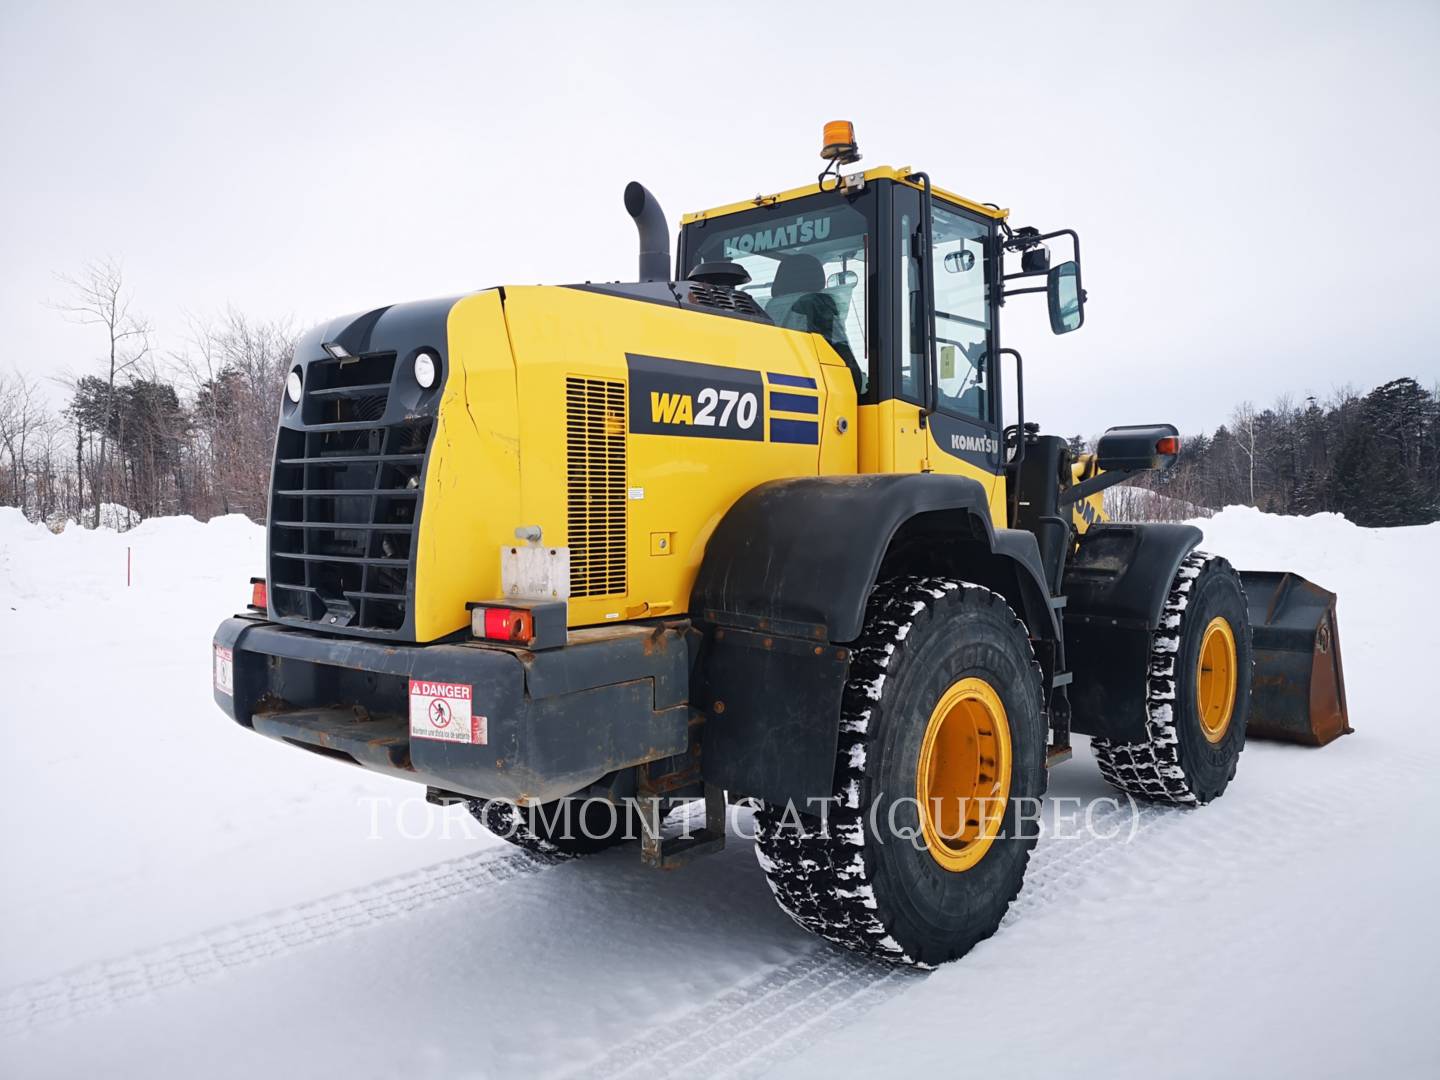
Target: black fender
[
  {"x": 1115, "y": 587},
  {"x": 782, "y": 589}
]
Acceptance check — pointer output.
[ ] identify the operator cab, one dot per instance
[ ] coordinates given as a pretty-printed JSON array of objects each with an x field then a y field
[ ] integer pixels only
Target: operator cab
[{"x": 905, "y": 282}]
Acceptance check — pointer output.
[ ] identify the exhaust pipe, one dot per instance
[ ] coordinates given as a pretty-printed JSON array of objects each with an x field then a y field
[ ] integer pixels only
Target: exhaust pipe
[{"x": 654, "y": 233}]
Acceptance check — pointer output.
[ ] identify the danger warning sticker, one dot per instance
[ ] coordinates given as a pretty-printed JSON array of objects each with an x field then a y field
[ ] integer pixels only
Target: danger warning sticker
[
  {"x": 441, "y": 710},
  {"x": 224, "y": 671}
]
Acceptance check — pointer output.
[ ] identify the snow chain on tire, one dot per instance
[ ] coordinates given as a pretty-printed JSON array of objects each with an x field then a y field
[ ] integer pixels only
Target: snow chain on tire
[
  {"x": 819, "y": 876},
  {"x": 1152, "y": 769}
]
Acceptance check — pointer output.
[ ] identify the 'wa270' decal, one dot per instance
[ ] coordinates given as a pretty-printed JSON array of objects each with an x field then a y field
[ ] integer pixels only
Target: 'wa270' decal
[{"x": 677, "y": 397}]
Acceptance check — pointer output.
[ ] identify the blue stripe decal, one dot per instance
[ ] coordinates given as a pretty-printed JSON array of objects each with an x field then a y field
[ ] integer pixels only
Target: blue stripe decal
[
  {"x": 794, "y": 403},
  {"x": 806, "y": 432},
  {"x": 790, "y": 380}
]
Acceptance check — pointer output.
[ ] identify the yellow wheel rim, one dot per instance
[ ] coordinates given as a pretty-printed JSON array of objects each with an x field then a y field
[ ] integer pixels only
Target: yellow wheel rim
[
  {"x": 1215, "y": 680},
  {"x": 963, "y": 780}
]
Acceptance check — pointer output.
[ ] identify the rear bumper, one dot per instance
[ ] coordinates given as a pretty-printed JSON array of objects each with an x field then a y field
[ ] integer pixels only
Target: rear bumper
[{"x": 555, "y": 721}]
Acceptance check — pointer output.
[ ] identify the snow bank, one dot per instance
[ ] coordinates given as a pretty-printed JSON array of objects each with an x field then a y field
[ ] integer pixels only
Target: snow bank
[
  {"x": 137, "y": 809},
  {"x": 1188, "y": 943}
]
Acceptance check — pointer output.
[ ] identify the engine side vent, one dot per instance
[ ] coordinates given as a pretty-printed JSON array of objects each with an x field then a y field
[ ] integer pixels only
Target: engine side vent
[
  {"x": 715, "y": 296},
  {"x": 595, "y": 487}
]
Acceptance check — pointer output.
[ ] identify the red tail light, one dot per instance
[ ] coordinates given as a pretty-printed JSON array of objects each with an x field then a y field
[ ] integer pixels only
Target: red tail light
[
  {"x": 259, "y": 596},
  {"x": 1168, "y": 445},
  {"x": 509, "y": 624}
]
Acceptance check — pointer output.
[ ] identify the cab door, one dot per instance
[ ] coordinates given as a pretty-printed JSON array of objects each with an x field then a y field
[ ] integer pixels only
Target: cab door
[{"x": 961, "y": 435}]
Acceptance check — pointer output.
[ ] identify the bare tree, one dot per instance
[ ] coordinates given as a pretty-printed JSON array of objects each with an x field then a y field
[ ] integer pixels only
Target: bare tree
[
  {"x": 22, "y": 416},
  {"x": 236, "y": 370},
  {"x": 98, "y": 298},
  {"x": 1243, "y": 423}
]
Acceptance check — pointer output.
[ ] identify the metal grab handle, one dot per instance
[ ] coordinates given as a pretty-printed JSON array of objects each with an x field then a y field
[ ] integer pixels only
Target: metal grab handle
[
  {"x": 927, "y": 294},
  {"x": 1019, "y": 458}
]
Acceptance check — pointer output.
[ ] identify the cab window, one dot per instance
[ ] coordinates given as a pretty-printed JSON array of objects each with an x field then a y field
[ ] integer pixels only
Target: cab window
[
  {"x": 808, "y": 264},
  {"x": 962, "y": 315}
]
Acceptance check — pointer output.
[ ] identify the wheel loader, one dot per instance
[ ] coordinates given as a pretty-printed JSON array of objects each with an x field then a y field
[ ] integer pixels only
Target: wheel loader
[{"x": 754, "y": 528}]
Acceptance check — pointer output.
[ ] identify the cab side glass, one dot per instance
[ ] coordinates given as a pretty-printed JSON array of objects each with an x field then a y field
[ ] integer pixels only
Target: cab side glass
[{"x": 1067, "y": 305}]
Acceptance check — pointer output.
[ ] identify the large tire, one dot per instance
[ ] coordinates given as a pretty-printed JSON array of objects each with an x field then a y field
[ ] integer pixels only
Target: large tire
[
  {"x": 899, "y": 894},
  {"x": 556, "y": 830},
  {"x": 1193, "y": 741}
]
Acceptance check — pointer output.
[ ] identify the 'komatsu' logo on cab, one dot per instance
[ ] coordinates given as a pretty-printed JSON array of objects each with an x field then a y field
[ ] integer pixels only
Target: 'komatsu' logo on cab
[
  {"x": 805, "y": 229},
  {"x": 976, "y": 444}
]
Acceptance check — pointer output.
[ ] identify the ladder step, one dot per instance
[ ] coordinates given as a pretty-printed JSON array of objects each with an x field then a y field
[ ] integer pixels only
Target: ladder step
[{"x": 1062, "y": 678}]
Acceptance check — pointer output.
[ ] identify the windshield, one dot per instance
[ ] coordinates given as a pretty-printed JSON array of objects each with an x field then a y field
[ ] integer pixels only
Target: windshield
[{"x": 807, "y": 261}]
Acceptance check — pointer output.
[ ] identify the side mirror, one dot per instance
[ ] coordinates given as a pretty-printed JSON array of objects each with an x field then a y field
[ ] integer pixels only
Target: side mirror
[
  {"x": 1067, "y": 299},
  {"x": 957, "y": 262},
  {"x": 1139, "y": 448}
]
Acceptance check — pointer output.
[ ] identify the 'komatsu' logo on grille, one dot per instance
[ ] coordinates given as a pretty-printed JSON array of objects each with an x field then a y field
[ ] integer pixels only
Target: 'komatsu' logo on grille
[{"x": 977, "y": 444}]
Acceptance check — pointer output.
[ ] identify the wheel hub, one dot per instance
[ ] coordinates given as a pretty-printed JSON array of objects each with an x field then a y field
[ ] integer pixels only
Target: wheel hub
[
  {"x": 1216, "y": 679},
  {"x": 963, "y": 778}
]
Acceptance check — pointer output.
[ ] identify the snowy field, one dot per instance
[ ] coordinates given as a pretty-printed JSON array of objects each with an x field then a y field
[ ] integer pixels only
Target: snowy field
[{"x": 184, "y": 898}]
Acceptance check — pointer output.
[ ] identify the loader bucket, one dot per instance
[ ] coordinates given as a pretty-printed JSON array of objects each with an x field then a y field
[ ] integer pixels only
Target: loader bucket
[{"x": 1298, "y": 693}]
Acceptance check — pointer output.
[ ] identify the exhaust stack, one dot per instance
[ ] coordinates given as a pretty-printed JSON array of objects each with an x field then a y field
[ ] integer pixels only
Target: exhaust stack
[{"x": 654, "y": 233}]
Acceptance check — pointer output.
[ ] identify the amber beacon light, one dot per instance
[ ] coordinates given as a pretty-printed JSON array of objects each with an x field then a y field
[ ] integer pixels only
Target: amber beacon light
[{"x": 839, "y": 143}]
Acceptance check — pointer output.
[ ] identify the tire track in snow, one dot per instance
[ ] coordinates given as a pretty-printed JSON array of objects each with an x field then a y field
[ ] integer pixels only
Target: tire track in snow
[
  {"x": 105, "y": 985},
  {"x": 751, "y": 1027}
]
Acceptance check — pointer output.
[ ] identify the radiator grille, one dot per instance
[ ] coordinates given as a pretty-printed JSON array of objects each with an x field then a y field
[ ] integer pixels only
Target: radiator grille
[
  {"x": 596, "y": 495},
  {"x": 350, "y": 392},
  {"x": 343, "y": 519}
]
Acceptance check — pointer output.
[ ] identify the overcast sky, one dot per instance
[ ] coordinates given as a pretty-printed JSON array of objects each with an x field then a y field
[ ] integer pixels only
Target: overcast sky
[{"x": 1255, "y": 185}]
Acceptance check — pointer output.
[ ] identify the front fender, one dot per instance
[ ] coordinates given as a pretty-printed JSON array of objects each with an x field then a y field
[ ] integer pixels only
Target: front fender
[{"x": 1115, "y": 588}]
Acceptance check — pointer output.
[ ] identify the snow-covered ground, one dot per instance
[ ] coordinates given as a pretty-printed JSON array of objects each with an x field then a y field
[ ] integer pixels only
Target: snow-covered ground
[{"x": 182, "y": 897}]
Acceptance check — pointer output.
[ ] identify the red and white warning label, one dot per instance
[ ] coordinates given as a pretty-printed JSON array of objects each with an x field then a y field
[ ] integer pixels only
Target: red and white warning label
[
  {"x": 441, "y": 710},
  {"x": 224, "y": 671}
]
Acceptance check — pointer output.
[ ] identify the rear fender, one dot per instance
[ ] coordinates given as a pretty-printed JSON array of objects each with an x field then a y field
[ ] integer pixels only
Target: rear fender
[{"x": 783, "y": 589}]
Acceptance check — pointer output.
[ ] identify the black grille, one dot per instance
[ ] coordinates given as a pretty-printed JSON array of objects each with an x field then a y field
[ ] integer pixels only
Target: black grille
[
  {"x": 345, "y": 505},
  {"x": 353, "y": 391},
  {"x": 715, "y": 296}
]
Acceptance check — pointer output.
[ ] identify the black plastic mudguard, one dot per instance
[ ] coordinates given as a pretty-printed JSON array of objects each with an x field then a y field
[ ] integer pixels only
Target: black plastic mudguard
[
  {"x": 1115, "y": 589},
  {"x": 801, "y": 555},
  {"x": 783, "y": 587}
]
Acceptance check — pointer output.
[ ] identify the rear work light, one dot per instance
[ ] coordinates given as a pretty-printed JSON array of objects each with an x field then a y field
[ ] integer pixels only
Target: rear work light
[
  {"x": 259, "y": 597},
  {"x": 1170, "y": 444},
  {"x": 509, "y": 624}
]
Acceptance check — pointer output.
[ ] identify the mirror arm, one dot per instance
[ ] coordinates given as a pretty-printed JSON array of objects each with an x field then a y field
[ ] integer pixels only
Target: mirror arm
[
  {"x": 1022, "y": 292},
  {"x": 1086, "y": 488}
]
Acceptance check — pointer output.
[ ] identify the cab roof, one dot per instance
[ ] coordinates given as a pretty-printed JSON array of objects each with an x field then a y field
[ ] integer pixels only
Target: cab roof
[{"x": 880, "y": 172}]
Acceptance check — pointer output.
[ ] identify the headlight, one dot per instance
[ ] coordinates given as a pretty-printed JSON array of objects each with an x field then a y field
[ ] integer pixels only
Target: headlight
[
  {"x": 425, "y": 369},
  {"x": 293, "y": 386}
]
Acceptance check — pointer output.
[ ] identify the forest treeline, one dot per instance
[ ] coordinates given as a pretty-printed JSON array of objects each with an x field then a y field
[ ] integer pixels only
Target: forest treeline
[
  {"x": 1374, "y": 457},
  {"x": 191, "y": 430},
  {"x": 184, "y": 431}
]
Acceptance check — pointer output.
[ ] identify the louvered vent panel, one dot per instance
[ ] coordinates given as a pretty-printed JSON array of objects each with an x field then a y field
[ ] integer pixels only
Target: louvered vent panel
[{"x": 595, "y": 486}]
